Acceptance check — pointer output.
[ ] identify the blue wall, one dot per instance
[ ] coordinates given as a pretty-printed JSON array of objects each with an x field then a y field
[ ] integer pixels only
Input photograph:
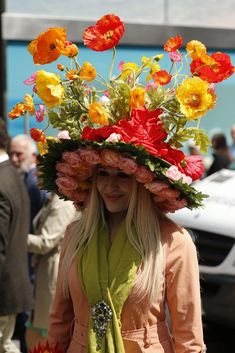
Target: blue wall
[{"x": 20, "y": 66}]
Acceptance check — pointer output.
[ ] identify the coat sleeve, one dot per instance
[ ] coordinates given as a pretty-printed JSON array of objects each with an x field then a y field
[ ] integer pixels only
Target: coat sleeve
[
  {"x": 5, "y": 219},
  {"x": 61, "y": 316},
  {"x": 183, "y": 294},
  {"x": 53, "y": 228}
]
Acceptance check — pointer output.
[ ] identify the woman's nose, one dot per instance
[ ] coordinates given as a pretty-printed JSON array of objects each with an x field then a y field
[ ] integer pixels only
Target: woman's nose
[{"x": 112, "y": 184}]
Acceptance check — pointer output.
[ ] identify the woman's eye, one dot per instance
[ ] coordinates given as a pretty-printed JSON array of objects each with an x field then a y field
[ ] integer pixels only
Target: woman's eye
[
  {"x": 123, "y": 175},
  {"x": 103, "y": 173}
]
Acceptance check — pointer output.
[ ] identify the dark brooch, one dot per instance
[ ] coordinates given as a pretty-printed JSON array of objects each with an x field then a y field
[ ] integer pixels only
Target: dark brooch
[{"x": 101, "y": 314}]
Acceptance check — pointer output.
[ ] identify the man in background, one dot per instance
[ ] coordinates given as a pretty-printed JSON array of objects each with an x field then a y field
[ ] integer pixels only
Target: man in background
[
  {"x": 16, "y": 294},
  {"x": 23, "y": 154}
]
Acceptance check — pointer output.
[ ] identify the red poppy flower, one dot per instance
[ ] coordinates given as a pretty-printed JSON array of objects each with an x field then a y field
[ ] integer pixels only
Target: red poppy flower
[
  {"x": 217, "y": 72},
  {"x": 173, "y": 43},
  {"x": 98, "y": 135},
  {"x": 37, "y": 135},
  {"x": 162, "y": 77},
  {"x": 194, "y": 167},
  {"x": 106, "y": 33}
]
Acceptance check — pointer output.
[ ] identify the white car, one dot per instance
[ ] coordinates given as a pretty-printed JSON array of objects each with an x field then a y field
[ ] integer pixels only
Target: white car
[{"x": 213, "y": 230}]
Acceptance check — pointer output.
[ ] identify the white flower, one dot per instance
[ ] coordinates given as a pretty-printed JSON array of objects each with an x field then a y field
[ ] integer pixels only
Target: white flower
[
  {"x": 186, "y": 179},
  {"x": 113, "y": 138},
  {"x": 104, "y": 100},
  {"x": 173, "y": 173},
  {"x": 64, "y": 134}
]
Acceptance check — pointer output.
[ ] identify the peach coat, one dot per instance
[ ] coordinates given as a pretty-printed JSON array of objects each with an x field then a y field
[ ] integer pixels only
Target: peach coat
[{"x": 144, "y": 328}]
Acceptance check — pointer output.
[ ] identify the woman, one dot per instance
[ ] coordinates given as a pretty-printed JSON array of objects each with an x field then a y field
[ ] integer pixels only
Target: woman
[
  {"x": 49, "y": 227},
  {"x": 118, "y": 157},
  {"x": 117, "y": 234}
]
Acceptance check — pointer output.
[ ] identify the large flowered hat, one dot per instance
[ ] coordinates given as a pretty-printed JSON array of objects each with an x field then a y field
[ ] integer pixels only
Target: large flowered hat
[{"x": 137, "y": 120}]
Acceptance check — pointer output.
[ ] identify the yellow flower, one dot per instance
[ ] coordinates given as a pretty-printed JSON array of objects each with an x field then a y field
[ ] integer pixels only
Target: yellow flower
[
  {"x": 49, "y": 88},
  {"x": 97, "y": 114},
  {"x": 195, "y": 49},
  {"x": 137, "y": 97},
  {"x": 17, "y": 111},
  {"x": 128, "y": 69},
  {"x": 195, "y": 97},
  {"x": 28, "y": 104},
  {"x": 43, "y": 146},
  {"x": 87, "y": 72}
]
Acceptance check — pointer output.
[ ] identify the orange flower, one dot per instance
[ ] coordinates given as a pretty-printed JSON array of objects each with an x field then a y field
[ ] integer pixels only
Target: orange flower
[
  {"x": 87, "y": 72},
  {"x": 60, "y": 67},
  {"x": 72, "y": 74},
  {"x": 17, "y": 111},
  {"x": 37, "y": 135},
  {"x": 106, "y": 33},
  {"x": 68, "y": 49},
  {"x": 28, "y": 104},
  {"x": 137, "y": 97},
  {"x": 162, "y": 77},
  {"x": 46, "y": 47},
  {"x": 173, "y": 43},
  {"x": 97, "y": 114}
]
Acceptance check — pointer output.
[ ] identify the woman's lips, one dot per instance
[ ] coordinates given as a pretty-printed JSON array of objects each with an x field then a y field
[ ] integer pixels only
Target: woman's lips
[{"x": 113, "y": 197}]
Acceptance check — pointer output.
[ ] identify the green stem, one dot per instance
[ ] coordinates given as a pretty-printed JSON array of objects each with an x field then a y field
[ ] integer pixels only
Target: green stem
[{"x": 112, "y": 64}]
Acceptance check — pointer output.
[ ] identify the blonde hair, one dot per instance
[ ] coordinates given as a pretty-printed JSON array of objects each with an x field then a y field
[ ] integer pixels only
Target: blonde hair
[{"x": 141, "y": 219}]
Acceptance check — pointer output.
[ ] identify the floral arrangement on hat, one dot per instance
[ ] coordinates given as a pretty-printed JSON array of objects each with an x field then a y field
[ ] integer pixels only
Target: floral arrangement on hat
[
  {"x": 136, "y": 120},
  {"x": 44, "y": 347}
]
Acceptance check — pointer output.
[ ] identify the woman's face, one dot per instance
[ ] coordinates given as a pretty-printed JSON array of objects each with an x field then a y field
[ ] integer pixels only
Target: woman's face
[{"x": 114, "y": 187}]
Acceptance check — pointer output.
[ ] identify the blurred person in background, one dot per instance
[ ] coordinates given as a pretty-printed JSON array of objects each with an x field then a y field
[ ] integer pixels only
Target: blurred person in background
[
  {"x": 221, "y": 154},
  {"x": 232, "y": 146},
  {"x": 23, "y": 154},
  {"x": 49, "y": 228},
  {"x": 16, "y": 293}
]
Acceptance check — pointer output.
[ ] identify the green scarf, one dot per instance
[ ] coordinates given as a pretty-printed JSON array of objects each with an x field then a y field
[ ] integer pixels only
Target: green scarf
[{"x": 107, "y": 273}]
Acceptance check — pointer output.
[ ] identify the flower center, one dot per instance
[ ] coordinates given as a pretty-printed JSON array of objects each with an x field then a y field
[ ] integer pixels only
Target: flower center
[
  {"x": 52, "y": 47},
  {"x": 108, "y": 35},
  {"x": 194, "y": 100}
]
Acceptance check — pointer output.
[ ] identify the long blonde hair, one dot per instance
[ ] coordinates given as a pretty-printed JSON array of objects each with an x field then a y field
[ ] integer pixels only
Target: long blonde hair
[{"x": 142, "y": 219}]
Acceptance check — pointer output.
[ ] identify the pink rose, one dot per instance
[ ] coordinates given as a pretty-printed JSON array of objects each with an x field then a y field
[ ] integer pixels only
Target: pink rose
[
  {"x": 170, "y": 194},
  {"x": 173, "y": 173},
  {"x": 156, "y": 186},
  {"x": 143, "y": 175},
  {"x": 127, "y": 165},
  {"x": 67, "y": 183},
  {"x": 172, "y": 206},
  {"x": 65, "y": 168},
  {"x": 73, "y": 159},
  {"x": 89, "y": 156},
  {"x": 110, "y": 158}
]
